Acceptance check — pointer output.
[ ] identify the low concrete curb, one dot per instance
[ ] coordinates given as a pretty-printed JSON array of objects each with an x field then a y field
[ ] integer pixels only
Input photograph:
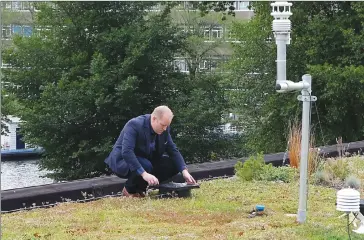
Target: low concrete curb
[{"x": 75, "y": 190}]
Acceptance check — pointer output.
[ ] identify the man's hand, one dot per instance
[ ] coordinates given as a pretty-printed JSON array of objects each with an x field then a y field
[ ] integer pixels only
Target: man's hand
[
  {"x": 150, "y": 179},
  {"x": 187, "y": 176}
]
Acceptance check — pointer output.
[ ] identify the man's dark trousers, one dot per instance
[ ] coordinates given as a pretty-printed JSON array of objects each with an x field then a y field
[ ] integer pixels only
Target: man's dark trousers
[{"x": 163, "y": 169}]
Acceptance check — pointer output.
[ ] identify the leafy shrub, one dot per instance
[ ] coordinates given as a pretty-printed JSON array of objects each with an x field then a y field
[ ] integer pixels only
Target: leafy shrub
[
  {"x": 322, "y": 177},
  {"x": 336, "y": 173},
  {"x": 255, "y": 168},
  {"x": 251, "y": 168},
  {"x": 271, "y": 173},
  {"x": 352, "y": 182},
  {"x": 339, "y": 168}
]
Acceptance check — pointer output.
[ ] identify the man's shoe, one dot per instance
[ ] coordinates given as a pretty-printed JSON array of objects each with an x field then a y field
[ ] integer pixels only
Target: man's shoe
[{"x": 133, "y": 195}]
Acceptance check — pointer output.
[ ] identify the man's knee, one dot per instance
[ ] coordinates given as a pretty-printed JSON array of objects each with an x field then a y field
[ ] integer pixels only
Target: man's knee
[{"x": 146, "y": 164}]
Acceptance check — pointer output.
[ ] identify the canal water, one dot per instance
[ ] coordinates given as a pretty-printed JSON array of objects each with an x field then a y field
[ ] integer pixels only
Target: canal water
[{"x": 22, "y": 173}]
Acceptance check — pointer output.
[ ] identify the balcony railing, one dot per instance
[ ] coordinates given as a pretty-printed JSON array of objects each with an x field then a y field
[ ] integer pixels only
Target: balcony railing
[
  {"x": 186, "y": 5},
  {"x": 18, "y": 6},
  {"x": 208, "y": 64}
]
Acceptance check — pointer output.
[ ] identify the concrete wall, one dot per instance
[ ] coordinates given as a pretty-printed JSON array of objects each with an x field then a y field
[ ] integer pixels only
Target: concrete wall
[{"x": 23, "y": 198}]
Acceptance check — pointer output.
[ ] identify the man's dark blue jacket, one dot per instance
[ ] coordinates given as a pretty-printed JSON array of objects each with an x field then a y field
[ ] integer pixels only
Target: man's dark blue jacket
[{"x": 134, "y": 141}]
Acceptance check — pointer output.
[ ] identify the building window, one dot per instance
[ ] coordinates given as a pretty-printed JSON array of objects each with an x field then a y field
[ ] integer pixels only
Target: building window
[
  {"x": 180, "y": 64},
  {"x": 241, "y": 5},
  {"x": 16, "y": 5},
  {"x": 7, "y": 5},
  {"x": 41, "y": 31},
  {"x": 214, "y": 64},
  {"x": 26, "y": 5},
  {"x": 156, "y": 7},
  {"x": 230, "y": 35},
  {"x": 189, "y": 5},
  {"x": 6, "y": 32},
  {"x": 20, "y": 5},
  {"x": 185, "y": 5},
  {"x": 206, "y": 33},
  {"x": 27, "y": 31},
  {"x": 203, "y": 65},
  {"x": 185, "y": 29},
  {"x": 211, "y": 63},
  {"x": 5, "y": 65},
  {"x": 16, "y": 29},
  {"x": 217, "y": 32},
  {"x": 213, "y": 33}
]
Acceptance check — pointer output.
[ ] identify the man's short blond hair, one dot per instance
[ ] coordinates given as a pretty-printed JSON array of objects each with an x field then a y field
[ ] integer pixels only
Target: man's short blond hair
[{"x": 161, "y": 110}]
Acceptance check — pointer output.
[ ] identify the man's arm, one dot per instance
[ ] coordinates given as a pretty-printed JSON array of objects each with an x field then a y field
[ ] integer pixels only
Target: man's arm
[
  {"x": 176, "y": 156},
  {"x": 128, "y": 146},
  {"x": 174, "y": 153}
]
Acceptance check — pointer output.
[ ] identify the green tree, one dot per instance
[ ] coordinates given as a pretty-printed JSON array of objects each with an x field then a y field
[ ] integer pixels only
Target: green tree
[
  {"x": 199, "y": 105},
  {"x": 197, "y": 47},
  {"x": 226, "y": 7},
  {"x": 200, "y": 99},
  {"x": 335, "y": 59},
  {"x": 252, "y": 81},
  {"x": 90, "y": 69},
  {"x": 327, "y": 42}
]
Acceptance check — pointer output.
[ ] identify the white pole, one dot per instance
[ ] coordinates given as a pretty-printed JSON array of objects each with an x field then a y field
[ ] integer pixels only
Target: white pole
[
  {"x": 282, "y": 27},
  {"x": 281, "y": 41},
  {"x": 305, "y": 139},
  {"x": 1, "y": 64}
]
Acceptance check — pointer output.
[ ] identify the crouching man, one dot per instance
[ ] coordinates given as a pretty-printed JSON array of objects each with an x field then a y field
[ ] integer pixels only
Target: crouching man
[{"x": 139, "y": 153}]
